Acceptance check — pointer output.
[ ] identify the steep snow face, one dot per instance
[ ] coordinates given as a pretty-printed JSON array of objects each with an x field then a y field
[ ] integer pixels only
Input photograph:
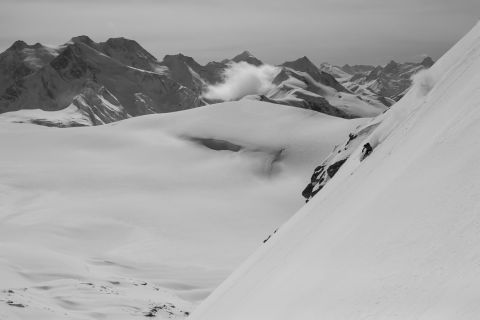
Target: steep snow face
[
  {"x": 148, "y": 215},
  {"x": 395, "y": 236}
]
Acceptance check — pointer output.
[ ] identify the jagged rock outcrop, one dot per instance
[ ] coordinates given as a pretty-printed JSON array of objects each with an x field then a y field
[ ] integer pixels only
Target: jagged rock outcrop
[{"x": 340, "y": 154}]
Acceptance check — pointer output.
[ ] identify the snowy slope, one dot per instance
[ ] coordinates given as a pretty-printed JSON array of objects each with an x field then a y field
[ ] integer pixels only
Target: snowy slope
[
  {"x": 148, "y": 215},
  {"x": 396, "y": 236}
]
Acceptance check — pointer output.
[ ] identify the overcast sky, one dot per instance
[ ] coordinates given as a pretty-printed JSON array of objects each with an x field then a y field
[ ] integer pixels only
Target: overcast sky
[{"x": 337, "y": 31}]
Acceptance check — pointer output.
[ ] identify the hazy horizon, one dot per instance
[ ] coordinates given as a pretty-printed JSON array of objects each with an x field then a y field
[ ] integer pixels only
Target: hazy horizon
[{"x": 274, "y": 31}]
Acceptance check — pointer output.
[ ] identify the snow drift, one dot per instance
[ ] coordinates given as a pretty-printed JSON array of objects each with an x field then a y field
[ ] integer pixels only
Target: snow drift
[{"x": 396, "y": 236}]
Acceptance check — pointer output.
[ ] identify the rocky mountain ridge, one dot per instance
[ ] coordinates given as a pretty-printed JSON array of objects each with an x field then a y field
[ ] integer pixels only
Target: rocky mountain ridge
[
  {"x": 113, "y": 80},
  {"x": 386, "y": 84}
]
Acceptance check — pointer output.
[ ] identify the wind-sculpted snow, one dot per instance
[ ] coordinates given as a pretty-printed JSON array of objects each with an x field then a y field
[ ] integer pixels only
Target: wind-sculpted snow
[
  {"x": 145, "y": 217},
  {"x": 393, "y": 236}
]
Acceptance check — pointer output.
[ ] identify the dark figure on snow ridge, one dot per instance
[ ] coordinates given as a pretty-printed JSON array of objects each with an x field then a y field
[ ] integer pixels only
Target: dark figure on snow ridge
[{"x": 367, "y": 149}]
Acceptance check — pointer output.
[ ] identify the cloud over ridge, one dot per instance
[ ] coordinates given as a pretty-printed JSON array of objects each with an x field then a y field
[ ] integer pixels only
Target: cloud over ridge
[{"x": 242, "y": 79}]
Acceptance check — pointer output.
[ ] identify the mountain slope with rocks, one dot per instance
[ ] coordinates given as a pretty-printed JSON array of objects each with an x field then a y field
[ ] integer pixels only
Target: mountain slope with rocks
[
  {"x": 378, "y": 84},
  {"x": 104, "y": 82},
  {"x": 390, "y": 81},
  {"x": 300, "y": 83}
]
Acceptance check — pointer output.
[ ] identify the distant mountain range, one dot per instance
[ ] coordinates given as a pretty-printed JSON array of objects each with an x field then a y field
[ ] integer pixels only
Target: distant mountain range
[
  {"x": 386, "y": 84},
  {"x": 83, "y": 82}
]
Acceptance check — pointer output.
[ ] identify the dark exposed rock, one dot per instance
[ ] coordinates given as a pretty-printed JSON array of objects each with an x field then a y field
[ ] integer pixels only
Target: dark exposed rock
[
  {"x": 427, "y": 62},
  {"x": 83, "y": 39},
  {"x": 248, "y": 58},
  {"x": 165, "y": 308},
  {"x": 315, "y": 184},
  {"x": 391, "y": 67},
  {"x": 67, "y": 77},
  {"x": 333, "y": 169}
]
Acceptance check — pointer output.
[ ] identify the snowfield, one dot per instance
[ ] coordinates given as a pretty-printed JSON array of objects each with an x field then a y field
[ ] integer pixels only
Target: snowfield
[
  {"x": 396, "y": 236},
  {"x": 145, "y": 217}
]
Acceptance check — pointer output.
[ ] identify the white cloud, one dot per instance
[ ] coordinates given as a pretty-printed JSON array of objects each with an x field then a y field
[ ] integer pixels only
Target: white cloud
[{"x": 242, "y": 79}]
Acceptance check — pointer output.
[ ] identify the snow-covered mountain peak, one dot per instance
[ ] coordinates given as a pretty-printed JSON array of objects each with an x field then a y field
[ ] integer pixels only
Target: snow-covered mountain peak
[
  {"x": 247, "y": 57},
  {"x": 124, "y": 44},
  {"x": 18, "y": 45},
  {"x": 129, "y": 52},
  {"x": 245, "y": 54},
  {"x": 303, "y": 64},
  {"x": 179, "y": 58},
  {"x": 82, "y": 39},
  {"x": 391, "y": 67}
]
